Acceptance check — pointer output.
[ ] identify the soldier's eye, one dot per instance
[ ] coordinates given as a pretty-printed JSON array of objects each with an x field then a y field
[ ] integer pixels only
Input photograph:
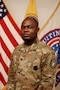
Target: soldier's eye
[
  {"x": 29, "y": 27},
  {"x": 22, "y": 27}
]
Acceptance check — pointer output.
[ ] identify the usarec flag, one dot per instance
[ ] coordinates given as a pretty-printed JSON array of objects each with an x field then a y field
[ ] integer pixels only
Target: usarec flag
[
  {"x": 57, "y": 84},
  {"x": 50, "y": 34},
  {"x": 10, "y": 37}
]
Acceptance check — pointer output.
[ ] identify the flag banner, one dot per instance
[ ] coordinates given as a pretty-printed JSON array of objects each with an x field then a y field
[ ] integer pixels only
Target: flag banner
[
  {"x": 50, "y": 34},
  {"x": 10, "y": 37},
  {"x": 58, "y": 52},
  {"x": 58, "y": 71}
]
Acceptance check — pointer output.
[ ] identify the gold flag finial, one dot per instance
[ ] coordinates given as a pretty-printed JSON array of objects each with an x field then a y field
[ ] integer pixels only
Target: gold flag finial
[{"x": 31, "y": 10}]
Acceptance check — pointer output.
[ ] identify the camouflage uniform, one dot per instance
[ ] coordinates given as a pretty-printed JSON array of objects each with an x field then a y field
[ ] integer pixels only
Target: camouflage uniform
[{"x": 32, "y": 67}]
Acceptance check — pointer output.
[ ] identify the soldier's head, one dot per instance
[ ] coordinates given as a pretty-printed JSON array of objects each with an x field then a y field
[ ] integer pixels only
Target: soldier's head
[{"x": 29, "y": 28}]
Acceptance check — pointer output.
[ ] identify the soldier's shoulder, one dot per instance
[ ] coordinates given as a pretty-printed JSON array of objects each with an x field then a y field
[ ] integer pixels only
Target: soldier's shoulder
[
  {"x": 17, "y": 48},
  {"x": 44, "y": 46}
]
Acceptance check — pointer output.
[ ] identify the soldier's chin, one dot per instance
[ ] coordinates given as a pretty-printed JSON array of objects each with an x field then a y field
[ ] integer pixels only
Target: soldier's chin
[{"x": 26, "y": 39}]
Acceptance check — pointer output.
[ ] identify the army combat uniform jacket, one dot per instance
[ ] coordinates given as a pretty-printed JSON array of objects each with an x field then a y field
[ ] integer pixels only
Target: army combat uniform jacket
[{"x": 32, "y": 67}]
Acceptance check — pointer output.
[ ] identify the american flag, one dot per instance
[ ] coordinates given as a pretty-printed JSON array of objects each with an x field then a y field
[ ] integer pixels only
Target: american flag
[{"x": 10, "y": 37}]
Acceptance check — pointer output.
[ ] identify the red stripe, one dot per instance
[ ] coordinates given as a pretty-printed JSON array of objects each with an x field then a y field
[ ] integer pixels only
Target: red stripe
[
  {"x": 2, "y": 79},
  {"x": 4, "y": 65},
  {"x": 0, "y": 39},
  {"x": 53, "y": 42},
  {"x": 59, "y": 66},
  {"x": 14, "y": 24},
  {"x": 8, "y": 33},
  {"x": 5, "y": 48}
]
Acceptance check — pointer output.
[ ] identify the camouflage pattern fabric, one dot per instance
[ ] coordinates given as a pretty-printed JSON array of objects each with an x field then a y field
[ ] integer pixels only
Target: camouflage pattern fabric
[{"x": 32, "y": 67}]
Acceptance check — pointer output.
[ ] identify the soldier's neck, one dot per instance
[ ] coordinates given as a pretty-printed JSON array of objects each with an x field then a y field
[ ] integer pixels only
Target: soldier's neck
[{"x": 29, "y": 42}]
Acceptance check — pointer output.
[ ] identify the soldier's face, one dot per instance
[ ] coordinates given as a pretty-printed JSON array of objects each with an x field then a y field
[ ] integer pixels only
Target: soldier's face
[{"x": 29, "y": 29}]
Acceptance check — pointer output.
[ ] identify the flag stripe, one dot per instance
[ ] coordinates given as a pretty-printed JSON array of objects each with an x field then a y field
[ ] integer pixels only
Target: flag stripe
[
  {"x": 58, "y": 66},
  {"x": 4, "y": 65},
  {"x": 5, "y": 57},
  {"x": 14, "y": 24},
  {"x": 6, "y": 40},
  {"x": 8, "y": 33},
  {"x": 8, "y": 53},
  {"x": 2, "y": 79},
  {"x": 52, "y": 40},
  {"x": 3, "y": 73},
  {"x": 12, "y": 30}
]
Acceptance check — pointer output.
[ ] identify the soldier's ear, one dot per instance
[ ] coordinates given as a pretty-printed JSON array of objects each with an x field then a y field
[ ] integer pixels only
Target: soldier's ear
[{"x": 38, "y": 28}]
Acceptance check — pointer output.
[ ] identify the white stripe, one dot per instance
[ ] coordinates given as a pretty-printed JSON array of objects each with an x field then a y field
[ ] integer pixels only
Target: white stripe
[
  {"x": 13, "y": 30},
  {"x": 3, "y": 72},
  {"x": 6, "y": 40},
  {"x": 5, "y": 57},
  {"x": 1, "y": 85},
  {"x": 1, "y": 10}
]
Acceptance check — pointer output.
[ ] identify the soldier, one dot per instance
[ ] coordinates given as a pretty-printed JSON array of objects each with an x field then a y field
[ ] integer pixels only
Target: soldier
[{"x": 33, "y": 64}]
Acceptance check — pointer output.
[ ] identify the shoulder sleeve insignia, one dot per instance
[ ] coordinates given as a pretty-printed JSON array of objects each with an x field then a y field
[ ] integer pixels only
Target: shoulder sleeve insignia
[{"x": 53, "y": 63}]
